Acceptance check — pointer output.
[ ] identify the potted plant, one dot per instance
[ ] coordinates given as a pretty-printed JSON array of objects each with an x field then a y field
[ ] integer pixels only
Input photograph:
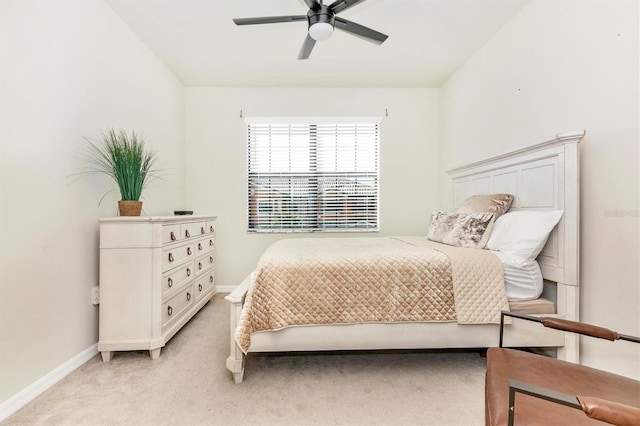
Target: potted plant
[{"x": 128, "y": 161}]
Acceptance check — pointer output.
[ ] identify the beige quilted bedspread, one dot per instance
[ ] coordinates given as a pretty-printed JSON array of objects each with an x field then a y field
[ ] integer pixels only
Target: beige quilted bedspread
[{"x": 361, "y": 280}]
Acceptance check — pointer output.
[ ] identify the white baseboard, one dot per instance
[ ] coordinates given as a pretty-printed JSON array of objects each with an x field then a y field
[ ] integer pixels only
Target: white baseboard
[
  {"x": 225, "y": 288},
  {"x": 29, "y": 393}
]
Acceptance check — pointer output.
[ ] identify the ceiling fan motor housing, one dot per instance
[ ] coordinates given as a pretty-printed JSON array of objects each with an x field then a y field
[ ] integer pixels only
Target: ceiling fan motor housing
[{"x": 321, "y": 23}]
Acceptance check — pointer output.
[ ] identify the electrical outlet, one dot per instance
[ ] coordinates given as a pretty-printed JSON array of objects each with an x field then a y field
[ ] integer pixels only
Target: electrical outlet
[{"x": 95, "y": 295}]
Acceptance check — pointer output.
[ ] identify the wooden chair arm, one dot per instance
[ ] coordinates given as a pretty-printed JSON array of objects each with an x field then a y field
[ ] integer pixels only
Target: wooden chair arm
[
  {"x": 570, "y": 326},
  {"x": 578, "y": 327},
  {"x": 595, "y": 408},
  {"x": 609, "y": 411}
]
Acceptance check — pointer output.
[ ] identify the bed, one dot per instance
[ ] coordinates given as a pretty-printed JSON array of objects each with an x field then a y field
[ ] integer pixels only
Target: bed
[{"x": 542, "y": 178}]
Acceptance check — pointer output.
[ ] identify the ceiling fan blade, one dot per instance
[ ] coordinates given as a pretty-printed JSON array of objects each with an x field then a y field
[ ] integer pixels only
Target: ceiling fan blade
[
  {"x": 306, "y": 48},
  {"x": 359, "y": 30},
  {"x": 269, "y": 19},
  {"x": 340, "y": 5},
  {"x": 312, "y": 4}
]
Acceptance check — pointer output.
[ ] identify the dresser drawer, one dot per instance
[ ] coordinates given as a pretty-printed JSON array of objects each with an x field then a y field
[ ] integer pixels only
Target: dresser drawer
[
  {"x": 193, "y": 229},
  {"x": 204, "y": 284},
  {"x": 172, "y": 279},
  {"x": 204, "y": 245},
  {"x": 174, "y": 307},
  {"x": 171, "y": 233},
  {"x": 203, "y": 263},
  {"x": 172, "y": 256}
]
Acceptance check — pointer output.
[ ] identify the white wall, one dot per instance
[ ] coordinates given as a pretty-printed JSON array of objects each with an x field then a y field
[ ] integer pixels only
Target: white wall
[
  {"x": 564, "y": 65},
  {"x": 216, "y": 155},
  {"x": 69, "y": 68}
]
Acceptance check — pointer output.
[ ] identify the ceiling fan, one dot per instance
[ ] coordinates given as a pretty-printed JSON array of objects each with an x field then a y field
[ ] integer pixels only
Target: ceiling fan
[{"x": 321, "y": 20}]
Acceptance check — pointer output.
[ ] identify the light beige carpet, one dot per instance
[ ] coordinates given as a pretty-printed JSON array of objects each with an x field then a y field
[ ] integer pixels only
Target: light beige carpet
[{"x": 189, "y": 385}]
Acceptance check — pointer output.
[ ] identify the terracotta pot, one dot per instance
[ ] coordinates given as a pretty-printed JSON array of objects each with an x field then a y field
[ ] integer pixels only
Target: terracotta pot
[{"x": 130, "y": 208}]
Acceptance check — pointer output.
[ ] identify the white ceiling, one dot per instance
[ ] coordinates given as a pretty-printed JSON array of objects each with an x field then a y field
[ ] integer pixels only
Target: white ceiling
[{"x": 428, "y": 40}]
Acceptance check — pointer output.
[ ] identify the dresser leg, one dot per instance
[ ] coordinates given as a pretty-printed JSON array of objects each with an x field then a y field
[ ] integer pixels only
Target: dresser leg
[
  {"x": 154, "y": 353},
  {"x": 106, "y": 356}
]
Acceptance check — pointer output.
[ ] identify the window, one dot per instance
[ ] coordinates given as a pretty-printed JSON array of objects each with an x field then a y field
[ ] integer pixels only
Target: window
[{"x": 312, "y": 174}]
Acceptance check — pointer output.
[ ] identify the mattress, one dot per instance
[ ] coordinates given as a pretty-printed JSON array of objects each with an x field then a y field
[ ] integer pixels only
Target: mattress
[{"x": 539, "y": 306}]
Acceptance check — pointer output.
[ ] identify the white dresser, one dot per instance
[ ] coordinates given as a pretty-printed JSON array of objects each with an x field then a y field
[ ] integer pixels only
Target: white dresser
[{"x": 155, "y": 274}]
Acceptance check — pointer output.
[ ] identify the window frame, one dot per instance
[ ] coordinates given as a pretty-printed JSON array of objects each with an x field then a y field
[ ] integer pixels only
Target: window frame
[{"x": 371, "y": 215}]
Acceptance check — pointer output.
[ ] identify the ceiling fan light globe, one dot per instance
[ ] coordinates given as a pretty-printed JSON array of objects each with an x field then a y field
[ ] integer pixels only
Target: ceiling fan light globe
[{"x": 320, "y": 31}]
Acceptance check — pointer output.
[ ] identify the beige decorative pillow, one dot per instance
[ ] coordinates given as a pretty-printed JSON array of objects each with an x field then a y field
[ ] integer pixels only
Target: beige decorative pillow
[
  {"x": 461, "y": 229},
  {"x": 498, "y": 204}
]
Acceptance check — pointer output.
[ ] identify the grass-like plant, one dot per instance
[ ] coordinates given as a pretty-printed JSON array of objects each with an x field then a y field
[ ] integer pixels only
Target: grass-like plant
[{"x": 126, "y": 159}]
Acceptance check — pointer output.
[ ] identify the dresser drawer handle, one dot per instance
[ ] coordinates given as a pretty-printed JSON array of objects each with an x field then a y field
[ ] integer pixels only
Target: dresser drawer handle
[
  {"x": 211, "y": 228},
  {"x": 186, "y": 233},
  {"x": 170, "y": 257},
  {"x": 199, "y": 287},
  {"x": 188, "y": 296},
  {"x": 189, "y": 251},
  {"x": 199, "y": 266},
  {"x": 199, "y": 246},
  {"x": 170, "y": 282},
  {"x": 210, "y": 278},
  {"x": 202, "y": 230},
  {"x": 188, "y": 272},
  {"x": 211, "y": 242},
  {"x": 170, "y": 311},
  {"x": 210, "y": 259},
  {"x": 173, "y": 236}
]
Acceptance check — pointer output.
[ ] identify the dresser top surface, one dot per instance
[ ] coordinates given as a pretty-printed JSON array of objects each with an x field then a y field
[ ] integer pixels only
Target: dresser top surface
[{"x": 151, "y": 219}]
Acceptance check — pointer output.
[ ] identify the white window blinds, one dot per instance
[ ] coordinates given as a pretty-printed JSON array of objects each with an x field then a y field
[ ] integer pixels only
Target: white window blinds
[{"x": 312, "y": 176}]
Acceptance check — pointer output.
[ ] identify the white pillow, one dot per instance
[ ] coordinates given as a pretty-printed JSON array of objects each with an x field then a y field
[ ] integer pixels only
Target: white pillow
[
  {"x": 523, "y": 233},
  {"x": 522, "y": 277}
]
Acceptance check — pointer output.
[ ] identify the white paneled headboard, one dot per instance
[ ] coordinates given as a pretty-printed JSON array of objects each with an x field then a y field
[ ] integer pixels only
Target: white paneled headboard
[{"x": 544, "y": 176}]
